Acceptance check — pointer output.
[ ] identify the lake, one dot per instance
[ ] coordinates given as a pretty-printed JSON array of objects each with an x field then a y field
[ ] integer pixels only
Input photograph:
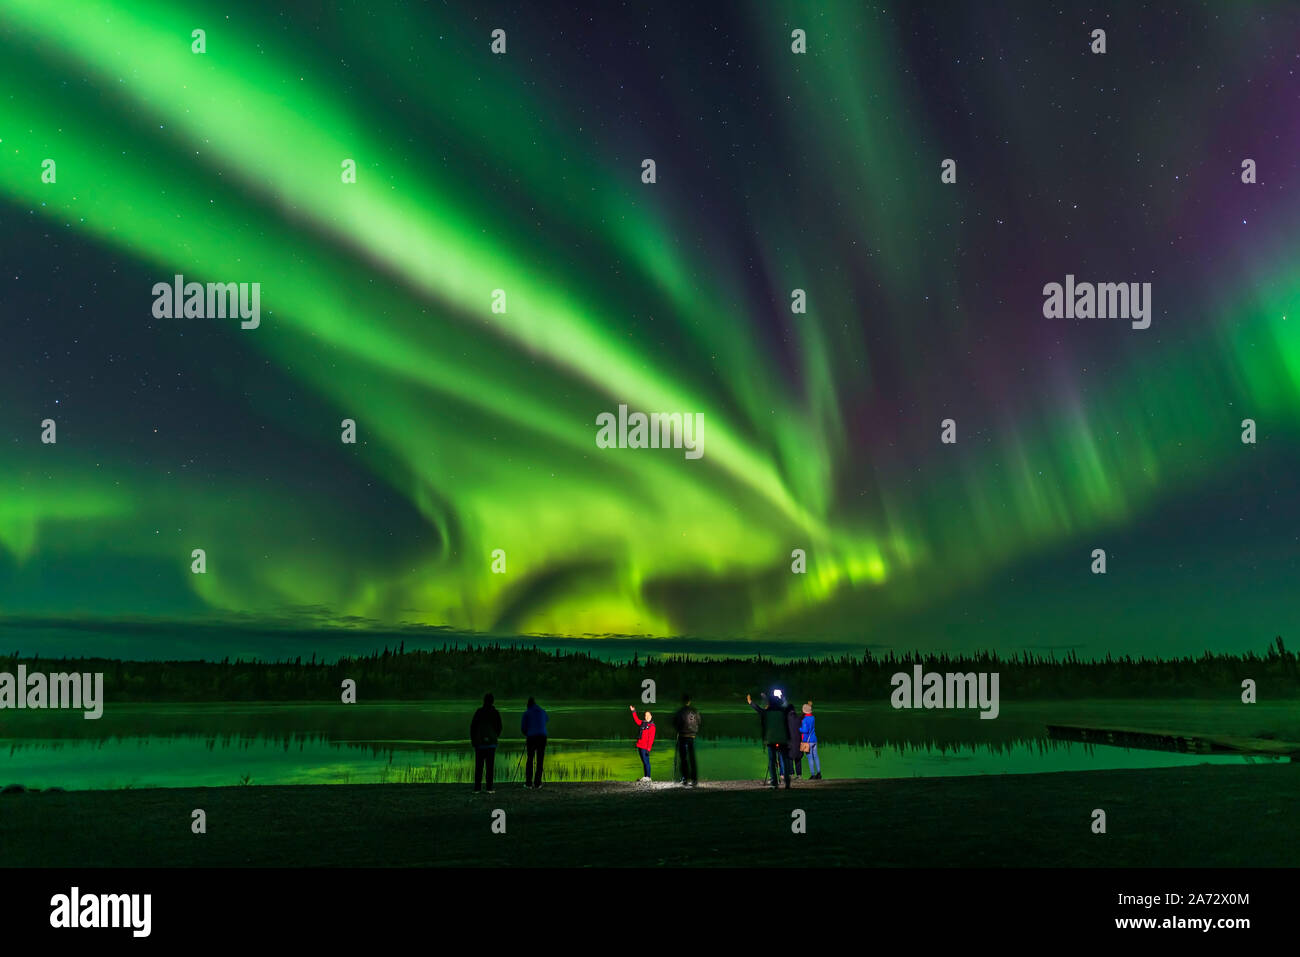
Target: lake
[{"x": 189, "y": 745}]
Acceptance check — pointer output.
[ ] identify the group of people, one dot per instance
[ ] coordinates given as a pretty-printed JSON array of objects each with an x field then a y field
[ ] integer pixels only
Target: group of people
[
  {"x": 784, "y": 727},
  {"x": 686, "y": 722},
  {"x": 787, "y": 733},
  {"x": 485, "y": 732}
]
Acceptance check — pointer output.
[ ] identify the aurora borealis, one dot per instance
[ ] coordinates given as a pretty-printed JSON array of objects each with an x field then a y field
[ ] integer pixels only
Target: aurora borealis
[{"x": 775, "y": 171}]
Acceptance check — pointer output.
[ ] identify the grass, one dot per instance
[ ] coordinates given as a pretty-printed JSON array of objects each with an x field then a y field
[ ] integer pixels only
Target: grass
[{"x": 507, "y": 771}]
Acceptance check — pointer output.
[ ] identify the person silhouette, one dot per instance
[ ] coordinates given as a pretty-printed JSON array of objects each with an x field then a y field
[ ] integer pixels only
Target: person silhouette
[
  {"x": 484, "y": 732},
  {"x": 533, "y": 728},
  {"x": 687, "y": 723}
]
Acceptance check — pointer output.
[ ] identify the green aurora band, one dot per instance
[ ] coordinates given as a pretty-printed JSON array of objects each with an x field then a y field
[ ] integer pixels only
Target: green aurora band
[{"x": 376, "y": 298}]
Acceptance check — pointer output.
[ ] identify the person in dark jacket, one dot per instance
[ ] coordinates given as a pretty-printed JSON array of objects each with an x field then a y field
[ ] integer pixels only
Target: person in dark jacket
[
  {"x": 645, "y": 739},
  {"x": 484, "y": 732},
  {"x": 533, "y": 727},
  {"x": 793, "y": 753},
  {"x": 687, "y": 724},
  {"x": 776, "y": 738}
]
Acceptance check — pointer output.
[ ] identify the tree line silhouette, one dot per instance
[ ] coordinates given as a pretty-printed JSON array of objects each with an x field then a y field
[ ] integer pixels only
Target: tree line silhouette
[{"x": 516, "y": 668}]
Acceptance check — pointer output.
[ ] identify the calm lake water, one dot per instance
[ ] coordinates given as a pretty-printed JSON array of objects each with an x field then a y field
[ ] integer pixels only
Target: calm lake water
[{"x": 219, "y": 745}]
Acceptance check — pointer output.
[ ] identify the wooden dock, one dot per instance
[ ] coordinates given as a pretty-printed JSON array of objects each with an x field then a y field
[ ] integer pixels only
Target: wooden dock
[{"x": 1155, "y": 740}]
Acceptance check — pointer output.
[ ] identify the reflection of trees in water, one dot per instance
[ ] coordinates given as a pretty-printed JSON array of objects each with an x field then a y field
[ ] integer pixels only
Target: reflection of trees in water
[
  {"x": 242, "y": 740},
  {"x": 567, "y": 760},
  {"x": 451, "y": 755},
  {"x": 916, "y": 740}
]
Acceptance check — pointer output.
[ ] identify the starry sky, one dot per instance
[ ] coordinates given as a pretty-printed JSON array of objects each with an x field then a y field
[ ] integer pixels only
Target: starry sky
[{"x": 775, "y": 171}]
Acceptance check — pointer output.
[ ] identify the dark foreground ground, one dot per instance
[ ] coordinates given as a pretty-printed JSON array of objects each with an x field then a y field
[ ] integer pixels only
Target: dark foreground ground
[{"x": 1177, "y": 817}]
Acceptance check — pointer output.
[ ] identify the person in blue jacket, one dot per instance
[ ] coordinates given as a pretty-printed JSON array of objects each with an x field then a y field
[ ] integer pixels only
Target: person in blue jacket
[
  {"x": 533, "y": 726},
  {"x": 808, "y": 735}
]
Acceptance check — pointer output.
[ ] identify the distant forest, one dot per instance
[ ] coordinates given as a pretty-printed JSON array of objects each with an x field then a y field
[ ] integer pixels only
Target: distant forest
[{"x": 516, "y": 669}]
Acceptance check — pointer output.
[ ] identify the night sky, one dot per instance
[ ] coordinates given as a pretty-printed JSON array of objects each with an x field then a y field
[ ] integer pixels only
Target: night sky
[{"x": 775, "y": 171}]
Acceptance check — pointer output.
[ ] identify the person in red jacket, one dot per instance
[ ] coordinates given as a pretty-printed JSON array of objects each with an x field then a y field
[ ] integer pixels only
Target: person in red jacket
[{"x": 645, "y": 740}]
